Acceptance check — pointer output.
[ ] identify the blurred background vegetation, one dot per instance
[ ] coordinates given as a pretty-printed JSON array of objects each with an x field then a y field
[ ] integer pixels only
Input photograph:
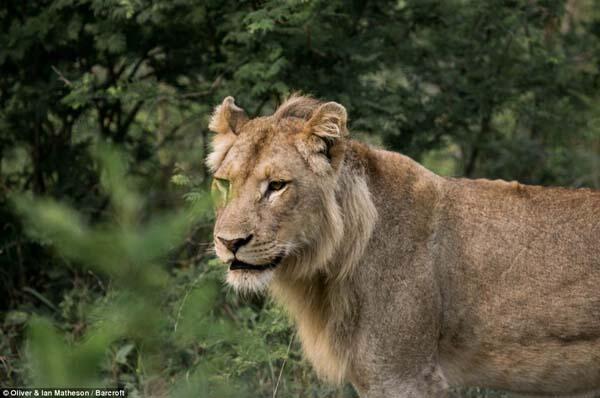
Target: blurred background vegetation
[{"x": 106, "y": 272}]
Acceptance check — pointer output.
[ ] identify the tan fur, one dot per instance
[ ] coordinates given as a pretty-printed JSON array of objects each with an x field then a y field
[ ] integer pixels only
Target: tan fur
[{"x": 404, "y": 282}]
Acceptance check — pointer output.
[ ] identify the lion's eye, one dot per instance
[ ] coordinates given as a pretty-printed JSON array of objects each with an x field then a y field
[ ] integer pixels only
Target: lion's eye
[{"x": 277, "y": 185}]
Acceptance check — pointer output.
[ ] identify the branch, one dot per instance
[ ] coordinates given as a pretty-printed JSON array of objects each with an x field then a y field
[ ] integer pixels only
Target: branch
[
  {"x": 122, "y": 129},
  {"x": 62, "y": 77},
  {"x": 137, "y": 65}
]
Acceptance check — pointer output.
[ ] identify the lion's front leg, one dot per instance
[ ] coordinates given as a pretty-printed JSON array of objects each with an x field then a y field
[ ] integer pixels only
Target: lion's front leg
[
  {"x": 427, "y": 383},
  {"x": 396, "y": 346}
]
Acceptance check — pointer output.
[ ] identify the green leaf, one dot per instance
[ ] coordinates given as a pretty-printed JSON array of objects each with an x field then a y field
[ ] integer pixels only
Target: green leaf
[{"x": 123, "y": 352}]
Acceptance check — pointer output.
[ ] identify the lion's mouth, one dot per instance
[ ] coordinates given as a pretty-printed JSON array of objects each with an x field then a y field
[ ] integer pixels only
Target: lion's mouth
[{"x": 237, "y": 264}]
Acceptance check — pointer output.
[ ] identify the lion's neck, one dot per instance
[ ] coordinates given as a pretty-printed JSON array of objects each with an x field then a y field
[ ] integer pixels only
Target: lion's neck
[
  {"x": 324, "y": 304},
  {"x": 324, "y": 312}
]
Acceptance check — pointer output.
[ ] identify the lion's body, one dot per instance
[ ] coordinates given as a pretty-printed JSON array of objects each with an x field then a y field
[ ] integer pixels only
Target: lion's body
[
  {"x": 505, "y": 277},
  {"x": 423, "y": 281},
  {"x": 529, "y": 258}
]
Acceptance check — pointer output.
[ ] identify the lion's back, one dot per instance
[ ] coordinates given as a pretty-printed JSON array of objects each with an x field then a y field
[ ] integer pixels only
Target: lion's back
[{"x": 507, "y": 220}]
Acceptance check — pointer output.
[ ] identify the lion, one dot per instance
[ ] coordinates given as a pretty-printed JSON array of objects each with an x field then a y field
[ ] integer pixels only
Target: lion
[{"x": 402, "y": 282}]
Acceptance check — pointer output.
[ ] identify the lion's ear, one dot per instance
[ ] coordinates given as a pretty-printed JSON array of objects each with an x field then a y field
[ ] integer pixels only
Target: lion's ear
[
  {"x": 329, "y": 121},
  {"x": 323, "y": 144},
  {"x": 227, "y": 117},
  {"x": 227, "y": 120}
]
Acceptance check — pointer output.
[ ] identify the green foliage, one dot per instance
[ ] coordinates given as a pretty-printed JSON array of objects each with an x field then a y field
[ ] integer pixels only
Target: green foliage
[
  {"x": 140, "y": 323},
  {"x": 105, "y": 279},
  {"x": 125, "y": 250}
]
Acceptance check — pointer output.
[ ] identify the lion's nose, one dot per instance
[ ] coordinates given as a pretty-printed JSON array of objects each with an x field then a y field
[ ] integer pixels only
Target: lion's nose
[{"x": 234, "y": 244}]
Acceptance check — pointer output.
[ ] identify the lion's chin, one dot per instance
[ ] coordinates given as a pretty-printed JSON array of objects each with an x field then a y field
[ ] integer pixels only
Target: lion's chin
[{"x": 243, "y": 280}]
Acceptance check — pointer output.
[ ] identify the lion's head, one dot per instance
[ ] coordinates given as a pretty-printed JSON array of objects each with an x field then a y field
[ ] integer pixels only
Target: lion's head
[{"x": 277, "y": 188}]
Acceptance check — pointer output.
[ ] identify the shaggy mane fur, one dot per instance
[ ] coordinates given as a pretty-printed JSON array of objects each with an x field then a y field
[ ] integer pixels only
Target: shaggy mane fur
[
  {"x": 316, "y": 287},
  {"x": 298, "y": 106}
]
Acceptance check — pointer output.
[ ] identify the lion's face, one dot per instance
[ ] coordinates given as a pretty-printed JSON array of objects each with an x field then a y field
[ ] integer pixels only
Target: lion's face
[
  {"x": 270, "y": 190},
  {"x": 265, "y": 203}
]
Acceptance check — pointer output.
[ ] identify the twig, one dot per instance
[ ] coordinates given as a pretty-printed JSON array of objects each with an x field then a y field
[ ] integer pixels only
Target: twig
[
  {"x": 4, "y": 362},
  {"x": 185, "y": 297},
  {"x": 62, "y": 77},
  {"x": 40, "y": 297},
  {"x": 287, "y": 354}
]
